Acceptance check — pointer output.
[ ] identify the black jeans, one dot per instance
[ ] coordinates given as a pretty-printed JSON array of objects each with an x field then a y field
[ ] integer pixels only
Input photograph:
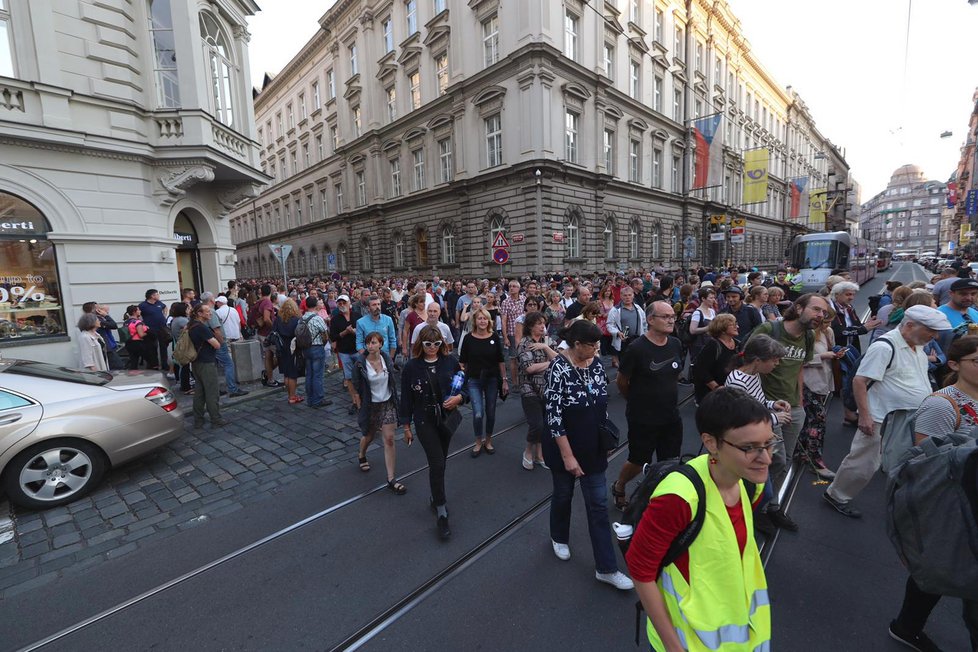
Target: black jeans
[
  {"x": 917, "y": 605},
  {"x": 434, "y": 440},
  {"x": 535, "y": 409}
]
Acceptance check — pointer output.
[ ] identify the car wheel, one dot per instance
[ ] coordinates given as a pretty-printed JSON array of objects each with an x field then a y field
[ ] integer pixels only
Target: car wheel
[{"x": 53, "y": 473}]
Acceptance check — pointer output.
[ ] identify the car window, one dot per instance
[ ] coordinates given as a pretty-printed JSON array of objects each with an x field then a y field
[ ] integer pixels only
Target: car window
[
  {"x": 54, "y": 372},
  {"x": 9, "y": 401}
]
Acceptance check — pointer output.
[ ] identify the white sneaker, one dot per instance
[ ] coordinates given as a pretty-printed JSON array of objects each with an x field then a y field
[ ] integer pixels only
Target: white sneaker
[
  {"x": 562, "y": 550},
  {"x": 617, "y": 579}
]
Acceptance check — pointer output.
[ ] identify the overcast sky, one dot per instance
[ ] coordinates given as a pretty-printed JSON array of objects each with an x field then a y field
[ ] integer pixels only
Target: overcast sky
[{"x": 845, "y": 58}]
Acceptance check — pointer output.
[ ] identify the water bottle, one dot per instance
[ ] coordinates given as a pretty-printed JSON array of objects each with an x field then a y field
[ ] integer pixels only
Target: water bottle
[{"x": 457, "y": 381}]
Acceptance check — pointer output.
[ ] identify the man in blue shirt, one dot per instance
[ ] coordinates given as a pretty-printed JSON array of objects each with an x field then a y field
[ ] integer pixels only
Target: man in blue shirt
[
  {"x": 376, "y": 322},
  {"x": 959, "y": 311},
  {"x": 154, "y": 316}
]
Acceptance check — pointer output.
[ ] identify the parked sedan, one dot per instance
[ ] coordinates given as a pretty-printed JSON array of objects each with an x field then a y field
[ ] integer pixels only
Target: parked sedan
[{"x": 61, "y": 429}]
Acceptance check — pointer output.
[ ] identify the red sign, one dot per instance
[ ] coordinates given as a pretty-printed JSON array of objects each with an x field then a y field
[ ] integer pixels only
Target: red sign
[
  {"x": 517, "y": 238},
  {"x": 500, "y": 256},
  {"x": 558, "y": 237},
  {"x": 500, "y": 242}
]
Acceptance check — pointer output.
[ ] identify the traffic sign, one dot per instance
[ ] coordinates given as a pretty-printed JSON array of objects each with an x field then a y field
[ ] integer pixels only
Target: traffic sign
[
  {"x": 500, "y": 256},
  {"x": 281, "y": 252},
  {"x": 558, "y": 237},
  {"x": 500, "y": 242},
  {"x": 689, "y": 242},
  {"x": 517, "y": 238},
  {"x": 331, "y": 262}
]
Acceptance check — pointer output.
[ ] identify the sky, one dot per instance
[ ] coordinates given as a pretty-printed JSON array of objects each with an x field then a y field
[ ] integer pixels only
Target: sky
[{"x": 844, "y": 57}]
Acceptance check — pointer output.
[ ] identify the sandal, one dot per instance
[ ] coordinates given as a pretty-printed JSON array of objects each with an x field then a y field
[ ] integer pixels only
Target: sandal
[
  {"x": 364, "y": 464},
  {"x": 487, "y": 447},
  {"x": 621, "y": 500},
  {"x": 293, "y": 400},
  {"x": 396, "y": 487}
]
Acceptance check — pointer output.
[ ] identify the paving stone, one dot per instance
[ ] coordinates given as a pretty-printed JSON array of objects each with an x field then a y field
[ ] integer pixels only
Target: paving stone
[
  {"x": 66, "y": 539},
  {"x": 105, "y": 536},
  {"x": 25, "y": 526},
  {"x": 35, "y": 550},
  {"x": 121, "y": 550},
  {"x": 60, "y": 552},
  {"x": 54, "y": 519},
  {"x": 114, "y": 510},
  {"x": 30, "y": 538},
  {"x": 65, "y": 528},
  {"x": 122, "y": 519},
  {"x": 18, "y": 578}
]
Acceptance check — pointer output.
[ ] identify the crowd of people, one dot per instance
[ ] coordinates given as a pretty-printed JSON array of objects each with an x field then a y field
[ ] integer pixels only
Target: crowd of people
[{"x": 762, "y": 358}]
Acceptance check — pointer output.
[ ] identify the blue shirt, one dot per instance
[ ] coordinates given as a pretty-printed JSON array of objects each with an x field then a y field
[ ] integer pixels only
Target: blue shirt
[
  {"x": 152, "y": 314},
  {"x": 383, "y": 325},
  {"x": 958, "y": 325}
]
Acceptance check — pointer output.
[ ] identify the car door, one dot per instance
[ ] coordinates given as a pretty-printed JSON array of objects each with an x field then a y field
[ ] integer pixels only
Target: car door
[{"x": 19, "y": 416}]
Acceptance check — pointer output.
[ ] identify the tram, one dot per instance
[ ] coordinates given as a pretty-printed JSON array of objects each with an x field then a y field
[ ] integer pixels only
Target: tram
[
  {"x": 817, "y": 254},
  {"x": 884, "y": 259}
]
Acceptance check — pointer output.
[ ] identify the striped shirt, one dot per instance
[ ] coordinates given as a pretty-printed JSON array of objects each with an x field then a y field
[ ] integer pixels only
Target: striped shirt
[{"x": 751, "y": 383}]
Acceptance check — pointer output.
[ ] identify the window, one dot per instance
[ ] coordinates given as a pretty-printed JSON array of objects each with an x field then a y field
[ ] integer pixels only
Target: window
[
  {"x": 338, "y": 194},
  {"x": 323, "y": 210},
  {"x": 164, "y": 52},
  {"x": 30, "y": 297},
  {"x": 674, "y": 243},
  {"x": 391, "y": 104},
  {"x": 298, "y": 212},
  {"x": 657, "y": 93},
  {"x": 294, "y": 160},
  {"x": 570, "y": 136},
  {"x": 320, "y": 152},
  {"x": 341, "y": 257},
  {"x": 718, "y": 71},
  {"x": 218, "y": 54},
  {"x": 388, "y": 28},
  {"x": 609, "y": 151},
  {"x": 411, "y": 8},
  {"x": 677, "y": 105},
  {"x": 421, "y": 246},
  {"x": 366, "y": 254},
  {"x": 356, "y": 122},
  {"x": 675, "y": 176},
  {"x": 418, "y": 156},
  {"x": 633, "y": 240},
  {"x": 398, "y": 250},
  {"x": 445, "y": 160},
  {"x": 287, "y": 213},
  {"x": 657, "y": 28},
  {"x": 635, "y": 160},
  {"x": 361, "y": 182},
  {"x": 354, "y": 67},
  {"x": 306, "y": 161},
  {"x": 656, "y": 167},
  {"x": 302, "y": 107},
  {"x": 395, "y": 177},
  {"x": 697, "y": 107},
  {"x": 494, "y": 141},
  {"x": 281, "y": 166},
  {"x": 633, "y": 11},
  {"x": 609, "y": 61},
  {"x": 679, "y": 43},
  {"x": 330, "y": 84},
  {"x": 290, "y": 116},
  {"x": 698, "y": 57},
  {"x": 490, "y": 39},
  {"x": 317, "y": 101},
  {"x": 334, "y": 138},
  {"x": 634, "y": 72},
  {"x": 609, "y": 239},
  {"x": 441, "y": 72},
  {"x": 447, "y": 245},
  {"x": 573, "y": 237},
  {"x": 656, "y": 248},
  {"x": 496, "y": 226},
  {"x": 439, "y": 6},
  {"x": 415, "y": 79},
  {"x": 570, "y": 35}
]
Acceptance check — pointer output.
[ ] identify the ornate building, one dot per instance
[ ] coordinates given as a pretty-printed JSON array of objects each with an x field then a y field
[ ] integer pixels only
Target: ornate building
[
  {"x": 906, "y": 217},
  {"x": 127, "y": 137},
  {"x": 406, "y": 135}
]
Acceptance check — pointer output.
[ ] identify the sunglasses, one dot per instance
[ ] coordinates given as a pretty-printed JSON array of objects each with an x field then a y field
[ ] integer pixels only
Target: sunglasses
[{"x": 432, "y": 344}]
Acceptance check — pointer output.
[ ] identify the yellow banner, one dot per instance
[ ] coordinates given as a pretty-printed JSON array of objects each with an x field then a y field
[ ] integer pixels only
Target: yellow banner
[
  {"x": 755, "y": 175},
  {"x": 966, "y": 234},
  {"x": 817, "y": 207}
]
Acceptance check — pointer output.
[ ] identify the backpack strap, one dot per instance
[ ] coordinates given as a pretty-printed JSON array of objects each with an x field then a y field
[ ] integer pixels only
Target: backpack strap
[
  {"x": 954, "y": 404},
  {"x": 685, "y": 539}
]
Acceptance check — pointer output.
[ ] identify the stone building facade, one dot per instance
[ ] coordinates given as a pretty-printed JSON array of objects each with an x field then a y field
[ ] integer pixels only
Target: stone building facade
[
  {"x": 406, "y": 135},
  {"x": 906, "y": 216},
  {"x": 121, "y": 156}
]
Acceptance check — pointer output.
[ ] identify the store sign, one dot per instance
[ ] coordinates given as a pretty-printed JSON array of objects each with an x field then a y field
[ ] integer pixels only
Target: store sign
[
  {"x": 22, "y": 227},
  {"x": 185, "y": 239},
  {"x": 717, "y": 226},
  {"x": 738, "y": 227}
]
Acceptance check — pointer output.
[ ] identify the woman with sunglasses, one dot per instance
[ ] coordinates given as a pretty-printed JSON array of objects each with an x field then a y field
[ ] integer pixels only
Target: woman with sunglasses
[
  {"x": 716, "y": 590},
  {"x": 426, "y": 383}
]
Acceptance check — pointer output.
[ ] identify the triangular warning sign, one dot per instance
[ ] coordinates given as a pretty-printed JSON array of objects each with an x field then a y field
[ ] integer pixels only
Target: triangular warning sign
[{"x": 500, "y": 242}]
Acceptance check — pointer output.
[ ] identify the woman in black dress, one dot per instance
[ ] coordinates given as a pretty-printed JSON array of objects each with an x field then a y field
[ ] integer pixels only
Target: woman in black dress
[
  {"x": 284, "y": 326},
  {"x": 713, "y": 362}
]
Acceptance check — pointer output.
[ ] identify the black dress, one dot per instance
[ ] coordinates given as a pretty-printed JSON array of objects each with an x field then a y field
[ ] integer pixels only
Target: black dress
[
  {"x": 286, "y": 361},
  {"x": 712, "y": 363}
]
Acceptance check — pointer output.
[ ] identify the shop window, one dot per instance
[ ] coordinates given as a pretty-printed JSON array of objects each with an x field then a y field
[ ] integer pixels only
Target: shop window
[{"x": 30, "y": 290}]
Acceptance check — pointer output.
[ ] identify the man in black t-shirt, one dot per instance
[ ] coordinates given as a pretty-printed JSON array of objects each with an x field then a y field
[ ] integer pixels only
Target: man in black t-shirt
[
  {"x": 204, "y": 367},
  {"x": 648, "y": 378}
]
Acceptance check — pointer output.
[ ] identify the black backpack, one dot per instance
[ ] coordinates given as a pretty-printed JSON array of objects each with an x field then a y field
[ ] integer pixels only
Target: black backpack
[
  {"x": 303, "y": 336},
  {"x": 874, "y": 304}
]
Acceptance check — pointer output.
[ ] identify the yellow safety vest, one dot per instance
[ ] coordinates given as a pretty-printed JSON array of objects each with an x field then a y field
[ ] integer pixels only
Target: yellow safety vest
[{"x": 725, "y": 607}]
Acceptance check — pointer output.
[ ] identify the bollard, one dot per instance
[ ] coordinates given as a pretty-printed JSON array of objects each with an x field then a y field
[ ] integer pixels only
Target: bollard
[{"x": 248, "y": 361}]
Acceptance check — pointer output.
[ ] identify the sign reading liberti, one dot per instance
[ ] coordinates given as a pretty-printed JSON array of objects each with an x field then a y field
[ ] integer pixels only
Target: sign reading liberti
[{"x": 22, "y": 227}]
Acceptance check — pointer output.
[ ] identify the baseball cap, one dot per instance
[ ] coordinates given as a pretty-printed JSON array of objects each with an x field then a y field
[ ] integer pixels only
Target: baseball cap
[
  {"x": 221, "y": 299},
  {"x": 706, "y": 284},
  {"x": 734, "y": 289},
  {"x": 926, "y": 316},
  {"x": 343, "y": 297},
  {"x": 964, "y": 284}
]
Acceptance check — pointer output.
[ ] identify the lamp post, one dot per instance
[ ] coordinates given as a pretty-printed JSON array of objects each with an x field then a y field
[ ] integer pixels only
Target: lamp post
[{"x": 539, "y": 193}]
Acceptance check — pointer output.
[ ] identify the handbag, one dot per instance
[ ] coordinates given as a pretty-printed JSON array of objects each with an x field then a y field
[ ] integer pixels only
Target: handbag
[{"x": 608, "y": 435}]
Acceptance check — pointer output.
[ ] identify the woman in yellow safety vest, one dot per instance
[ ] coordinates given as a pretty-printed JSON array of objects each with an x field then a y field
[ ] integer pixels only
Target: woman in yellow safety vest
[{"x": 713, "y": 596}]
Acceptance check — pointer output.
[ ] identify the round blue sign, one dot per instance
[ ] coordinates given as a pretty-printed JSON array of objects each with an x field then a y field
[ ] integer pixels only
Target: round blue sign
[{"x": 500, "y": 256}]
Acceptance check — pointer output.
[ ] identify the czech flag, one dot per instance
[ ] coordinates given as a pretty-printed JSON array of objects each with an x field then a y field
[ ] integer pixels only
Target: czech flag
[
  {"x": 708, "y": 160},
  {"x": 799, "y": 196}
]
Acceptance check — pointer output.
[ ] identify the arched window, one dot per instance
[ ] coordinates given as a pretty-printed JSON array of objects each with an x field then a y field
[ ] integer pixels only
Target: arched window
[
  {"x": 674, "y": 243},
  {"x": 497, "y": 225},
  {"x": 314, "y": 260},
  {"x": 302, "y": 262},
  {"x": 573, "y": 237},
  {"x": 633, "y": 240},
  {"x": 447, "y": 245},
  {"x": 609, "y": 239},
  {"x": 421, "y": 244},
  {"x": 656, "y": 242},
  {"x": 366, "y": 255},
  {"x": 398, "y": 242},
  {"x": 220, "y": 68},
  {"x": 341, "y": 258}
]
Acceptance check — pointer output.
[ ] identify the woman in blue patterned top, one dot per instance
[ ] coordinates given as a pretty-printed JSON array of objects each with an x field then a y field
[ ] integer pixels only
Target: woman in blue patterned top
[{"x": 577, "y": 404}]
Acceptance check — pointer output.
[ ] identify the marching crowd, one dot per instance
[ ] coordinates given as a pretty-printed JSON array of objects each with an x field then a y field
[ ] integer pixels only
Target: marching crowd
[{"x": 762, "y": 358}]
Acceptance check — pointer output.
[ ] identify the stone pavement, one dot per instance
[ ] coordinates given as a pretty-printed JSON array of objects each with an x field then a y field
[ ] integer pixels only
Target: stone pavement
[{"x": 203, "y": 475}]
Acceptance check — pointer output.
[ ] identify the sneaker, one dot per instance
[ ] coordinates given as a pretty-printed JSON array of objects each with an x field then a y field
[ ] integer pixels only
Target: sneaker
[
  {"x": 617, "y": 579},
  {"x": 825, "y": 473},
  {"x": 781, "y": 520},
  {"x": 444, "y": 532},
  {"x": 219, "y": 423},
  {"x": 842, "y": 508},
  {"x": 920, "y": 641},
  {"x": 238, "y": 393},
  {"x": 562, "y": 550}
]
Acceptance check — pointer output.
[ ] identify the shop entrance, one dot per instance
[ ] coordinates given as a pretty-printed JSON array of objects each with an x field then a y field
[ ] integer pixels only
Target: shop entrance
[{"x": 188, "y": 256}]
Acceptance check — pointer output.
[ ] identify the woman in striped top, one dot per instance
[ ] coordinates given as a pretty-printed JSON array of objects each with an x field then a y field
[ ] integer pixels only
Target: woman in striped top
[{"x": 761, "y": 355}]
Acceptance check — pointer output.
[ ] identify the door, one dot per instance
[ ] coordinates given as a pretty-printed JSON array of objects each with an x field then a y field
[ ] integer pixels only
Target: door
[{"x": 19, "y": 417}]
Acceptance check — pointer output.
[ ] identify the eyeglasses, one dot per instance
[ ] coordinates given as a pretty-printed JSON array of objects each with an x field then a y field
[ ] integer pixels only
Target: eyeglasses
[
  {"x": 755, "y": 451},
  {"x": 434, "y": 345}
]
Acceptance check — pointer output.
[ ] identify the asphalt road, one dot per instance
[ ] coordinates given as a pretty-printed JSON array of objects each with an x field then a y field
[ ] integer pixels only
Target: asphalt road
[{"x": 326, "y": 557}]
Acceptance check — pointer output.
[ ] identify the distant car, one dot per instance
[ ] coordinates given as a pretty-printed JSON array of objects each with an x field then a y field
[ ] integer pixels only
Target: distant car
[{"x": 61, "y": 429}]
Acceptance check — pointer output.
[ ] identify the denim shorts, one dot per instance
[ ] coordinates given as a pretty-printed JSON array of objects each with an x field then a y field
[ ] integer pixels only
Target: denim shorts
[{"x": 347, "y": 360}]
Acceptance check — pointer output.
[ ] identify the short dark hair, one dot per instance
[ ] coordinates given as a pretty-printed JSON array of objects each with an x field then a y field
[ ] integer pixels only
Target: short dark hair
[
  {"x": 581, "y": 330},
  {"x": 150, "y": 293},
  {"x": 530, "y": 320},
  {"x": 727, "y": 408},
  {"x": 178, "y": 309},
  {"x": 794, "y": 311},
  {"x": 89, "y": 306},
  {"x": 266, "y": 290},
  {"x": 311, "y": 301}
]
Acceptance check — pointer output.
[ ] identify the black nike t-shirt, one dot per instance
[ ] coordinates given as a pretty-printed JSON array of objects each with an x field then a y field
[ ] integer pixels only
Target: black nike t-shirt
[{"x": 653, "y": 375}]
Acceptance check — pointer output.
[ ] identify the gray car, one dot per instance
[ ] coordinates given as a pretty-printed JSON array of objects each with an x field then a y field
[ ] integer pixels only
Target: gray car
[{"x": 61, "y": 429}]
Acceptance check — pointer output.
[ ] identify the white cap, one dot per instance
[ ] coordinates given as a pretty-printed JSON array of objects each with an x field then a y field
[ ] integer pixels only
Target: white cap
[
  {"x": 343, "y": 297},
  {"x": 220, "y": 299},
  {"x": 925, "y": 316}
]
